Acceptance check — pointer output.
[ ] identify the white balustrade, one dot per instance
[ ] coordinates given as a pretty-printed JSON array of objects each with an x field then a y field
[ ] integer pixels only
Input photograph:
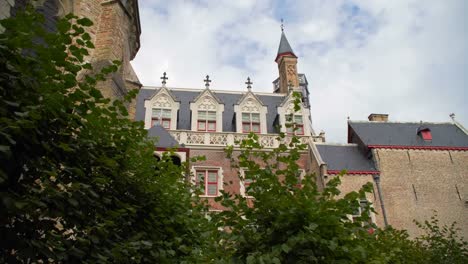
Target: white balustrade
[{"x": 195, "y": 138}]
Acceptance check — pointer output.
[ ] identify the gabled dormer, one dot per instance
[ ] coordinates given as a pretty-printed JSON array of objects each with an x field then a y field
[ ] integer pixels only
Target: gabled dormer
[
  {"x": 207, "y": 112},
  {"x": 301, "y": 118},
  {"x": 161, "y": 109},
  {"x": 250, "y": 114}
]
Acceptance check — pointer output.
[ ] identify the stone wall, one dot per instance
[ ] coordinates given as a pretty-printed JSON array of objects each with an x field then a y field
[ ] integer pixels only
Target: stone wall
[
  {"x": 115, "y": 35},
  {"x": 417, "y": 182}
]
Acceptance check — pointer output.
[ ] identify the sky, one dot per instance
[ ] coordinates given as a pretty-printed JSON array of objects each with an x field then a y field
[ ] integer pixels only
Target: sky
[{"x": 405, "y": 58}]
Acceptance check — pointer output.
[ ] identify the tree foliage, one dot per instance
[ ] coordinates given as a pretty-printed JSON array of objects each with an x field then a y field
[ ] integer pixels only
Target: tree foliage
[{"x": 77, "y": 177}]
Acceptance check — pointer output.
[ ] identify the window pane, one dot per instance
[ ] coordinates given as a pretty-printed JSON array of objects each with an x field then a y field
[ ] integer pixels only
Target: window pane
[
  {"x": 212, "y": 176},
  {"x": 166, "y": 123},
  {"x": 202, "y": 125},
  {"x": 255, "y": 117},
  {"x": 246, "y": 127},
  {"x": 211, "y": 126},
  {"x": 300, "y": 130},
  {"x": 290, "y": 129},
  {"x": 211, "y": 115},
  {"x": 298, "y": 119},
  {"x": 255, "y": 127},
  {"x": 246, "y": 117},
  {"x": 212, "y": 189},
  {"x": 166, "y": 113},
  {"x": 202, "y": 115},
  {"x": 156, "y": 112},
  {"x": 201, "y": 178}
]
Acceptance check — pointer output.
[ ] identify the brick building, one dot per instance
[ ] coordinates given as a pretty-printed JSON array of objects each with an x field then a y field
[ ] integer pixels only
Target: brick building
[
  {"x": 115, "y": 34},
  {"x": 415, "y": 168}
]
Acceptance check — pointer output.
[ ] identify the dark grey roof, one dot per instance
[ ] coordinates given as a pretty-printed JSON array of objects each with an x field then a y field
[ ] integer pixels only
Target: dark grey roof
[
  {"x": 406, "y": 134},
  {"x": 228, "y": 99},
  {"x": 345, "y": 157},
  {"x": 164, "y": 139},
  {"x": 284, "y": 45}
]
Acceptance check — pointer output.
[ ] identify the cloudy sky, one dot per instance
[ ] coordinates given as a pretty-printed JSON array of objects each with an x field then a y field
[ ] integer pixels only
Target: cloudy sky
[{"x": 406, "y": 58}]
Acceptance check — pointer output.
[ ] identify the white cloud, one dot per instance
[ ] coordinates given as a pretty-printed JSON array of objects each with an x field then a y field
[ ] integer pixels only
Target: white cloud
[{"x": 405, "y": 58}]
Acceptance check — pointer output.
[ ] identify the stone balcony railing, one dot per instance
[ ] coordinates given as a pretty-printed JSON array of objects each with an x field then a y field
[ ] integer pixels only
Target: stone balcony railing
[{"x": 195, "y": 138}]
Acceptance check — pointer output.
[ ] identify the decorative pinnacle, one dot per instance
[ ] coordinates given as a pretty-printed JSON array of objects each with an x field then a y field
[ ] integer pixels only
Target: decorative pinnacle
[
  {"x": 452, "y": 115},
  {"x": 164, "y": 78},
  {"x": 207, "y": 82},
  {"x": 282, "y": 26},
  {"x": 248, "y": 82}
]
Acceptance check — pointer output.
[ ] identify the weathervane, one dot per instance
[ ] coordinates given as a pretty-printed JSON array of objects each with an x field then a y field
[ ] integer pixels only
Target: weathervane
[
  {"x": 282, "y": 26},
  {"x": 164, "y": 78},
  {"x": 249, "y": 84},
  {"x": 207, "y": 82}
]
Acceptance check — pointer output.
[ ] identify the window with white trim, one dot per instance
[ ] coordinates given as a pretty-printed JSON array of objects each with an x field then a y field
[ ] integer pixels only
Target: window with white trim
[
  {"x": 161, "y": 116},
  {"x": 207, "y": 180},
  {"x": 206, "y": 121},
  {"x": 297, "y": 124},
  {"x": 250, "y": 122}
]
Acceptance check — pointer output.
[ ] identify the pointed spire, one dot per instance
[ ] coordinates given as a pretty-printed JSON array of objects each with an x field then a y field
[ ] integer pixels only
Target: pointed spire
[{"x": 284, "y": 47}]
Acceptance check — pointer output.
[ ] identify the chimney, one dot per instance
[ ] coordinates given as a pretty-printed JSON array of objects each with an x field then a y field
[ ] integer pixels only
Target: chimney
[{"x": 378, "y": 117}]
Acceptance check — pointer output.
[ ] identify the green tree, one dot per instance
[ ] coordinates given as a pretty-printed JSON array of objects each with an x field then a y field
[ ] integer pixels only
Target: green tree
[{"x": 77, "y": 178}]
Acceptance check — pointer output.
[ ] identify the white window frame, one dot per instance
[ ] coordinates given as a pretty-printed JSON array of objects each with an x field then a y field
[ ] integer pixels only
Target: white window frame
[
  {"x": 220, "y": 178},
  {"x": 242, "y": 186}
]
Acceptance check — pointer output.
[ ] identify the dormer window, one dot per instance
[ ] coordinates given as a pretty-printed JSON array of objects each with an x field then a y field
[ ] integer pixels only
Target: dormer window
[
  {"x": 425, "y": 133},
  {"x": 162, "y": 117},
  {"x": 161, "y": 109},
  {"x": 250, "y": 114},
  {"x": 251, "y": 122},
  {"x": 297, "y": 124},
  {"x": 207, "y": 112}
]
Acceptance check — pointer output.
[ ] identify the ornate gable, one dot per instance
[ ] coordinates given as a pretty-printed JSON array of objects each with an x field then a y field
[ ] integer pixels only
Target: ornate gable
[
  {"x": 287, "y": 108},
  {"x": 162, "y": 99},
  {"x": 207, "y": 101},
  {"x": 249, "y": 103}
]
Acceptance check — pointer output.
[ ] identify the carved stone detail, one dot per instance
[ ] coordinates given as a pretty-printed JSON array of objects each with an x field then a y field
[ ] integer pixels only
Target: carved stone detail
[
  {"x": 207, "y": 103},
  {"x": 250, "y": 105},
  {"x": 162, "y": 102}
]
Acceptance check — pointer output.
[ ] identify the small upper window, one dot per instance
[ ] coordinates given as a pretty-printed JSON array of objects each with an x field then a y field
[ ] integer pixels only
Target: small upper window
[
  {"x": 206, "y": 121},
  {"x": 162, "y": 117},
  {"x": 250, "y": 122},
  {"x": 297, "y": 124}
]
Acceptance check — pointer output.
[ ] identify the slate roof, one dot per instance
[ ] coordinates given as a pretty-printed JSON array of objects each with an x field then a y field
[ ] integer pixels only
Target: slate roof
[
  {"x": 165, "y": 140},
  {"x": 349, "y": 157},
  {"x": 284, "y": 46},
  {"x": 406, "y": 134},
  {"x": 228, "y": 99}
]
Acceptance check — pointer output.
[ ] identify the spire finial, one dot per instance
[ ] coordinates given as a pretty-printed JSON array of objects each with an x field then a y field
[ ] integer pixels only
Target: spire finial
[
  {"x": 249, "y": 84},
  {"x": 282, "y": 25},
  {"x": 164, "y": 78},
  {"x": 207, "y": 82},
  {"x": 452, "y": 115}
]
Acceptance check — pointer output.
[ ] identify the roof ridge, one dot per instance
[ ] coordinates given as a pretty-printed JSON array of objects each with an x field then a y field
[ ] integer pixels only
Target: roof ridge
[
  {"x": 399, "y": 122},
  {"x": 213, "y": 90},
  {"x": 336, "y": 144}
]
